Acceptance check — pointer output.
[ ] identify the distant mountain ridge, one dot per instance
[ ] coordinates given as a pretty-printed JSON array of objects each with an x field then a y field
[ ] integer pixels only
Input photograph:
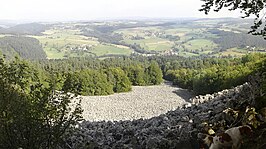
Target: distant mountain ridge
[{"x": 25, "y": 29}]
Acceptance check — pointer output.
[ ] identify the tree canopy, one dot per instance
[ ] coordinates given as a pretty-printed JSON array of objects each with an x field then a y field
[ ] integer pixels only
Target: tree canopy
[
  {"x": 25, "y": 47},
  {"x": 248, "y": 8}
]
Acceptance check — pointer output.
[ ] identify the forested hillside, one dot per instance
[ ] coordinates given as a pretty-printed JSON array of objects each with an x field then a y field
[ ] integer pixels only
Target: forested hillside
[
  {"x": 25, "y": 29},
  {"x": 228, "y": 40},
  {"x": 25, "y": 47}
]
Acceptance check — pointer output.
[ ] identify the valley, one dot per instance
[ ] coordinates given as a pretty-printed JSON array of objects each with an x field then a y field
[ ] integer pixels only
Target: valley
[
  {"x": 224, "y": 37},
  {"x": 123, "y": 74}
]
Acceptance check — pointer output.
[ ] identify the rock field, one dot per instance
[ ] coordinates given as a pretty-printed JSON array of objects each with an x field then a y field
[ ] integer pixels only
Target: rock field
[
  {"x": 174, "y": 129},
  {"x": 142, "y": 102}
]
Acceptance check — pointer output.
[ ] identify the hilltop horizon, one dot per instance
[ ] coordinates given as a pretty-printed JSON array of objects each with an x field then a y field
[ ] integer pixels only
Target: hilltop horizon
[{"x": 162, "y": 19}]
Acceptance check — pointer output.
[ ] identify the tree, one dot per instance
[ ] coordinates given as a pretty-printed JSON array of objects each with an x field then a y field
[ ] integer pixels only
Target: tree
[
  {"x": 136, "y": 75},
  {"x": 153, "y": 74},
  {"x": 119, "y": 80},
  {"x": 73, "y": 83},
  {"x": 248, "y": 7},
  {"x": 32, "y": 115}
]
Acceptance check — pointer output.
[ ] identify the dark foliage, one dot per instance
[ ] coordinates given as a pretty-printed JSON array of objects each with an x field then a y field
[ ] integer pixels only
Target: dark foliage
[
  {"x": 25, "y": 47},
  {"x": 229, "y": 40}
]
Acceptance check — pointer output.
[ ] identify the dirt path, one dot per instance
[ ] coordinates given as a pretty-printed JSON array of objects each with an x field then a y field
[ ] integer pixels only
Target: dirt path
[{"x": 141, "y": 102}]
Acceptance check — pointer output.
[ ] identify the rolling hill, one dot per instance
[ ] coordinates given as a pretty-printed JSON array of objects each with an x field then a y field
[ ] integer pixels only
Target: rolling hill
[{"x": 24, "y": 29}]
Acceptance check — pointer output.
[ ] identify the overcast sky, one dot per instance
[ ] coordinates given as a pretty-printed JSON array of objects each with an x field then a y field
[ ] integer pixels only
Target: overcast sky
[{"x": 63, "y": 10}]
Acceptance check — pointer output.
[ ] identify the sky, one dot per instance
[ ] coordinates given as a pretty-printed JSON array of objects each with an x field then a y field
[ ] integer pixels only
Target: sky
[{"x": 72, "y": 10}]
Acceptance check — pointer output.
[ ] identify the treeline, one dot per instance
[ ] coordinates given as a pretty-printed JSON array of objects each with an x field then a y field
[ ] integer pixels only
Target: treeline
[
  {"x": 200, "y": 75},
  {"x": 25, "y": 47},
  {"x": 114, "y": 27},
  {"x": 95, "y": 77},
  {"x": 224, "y": 74}
]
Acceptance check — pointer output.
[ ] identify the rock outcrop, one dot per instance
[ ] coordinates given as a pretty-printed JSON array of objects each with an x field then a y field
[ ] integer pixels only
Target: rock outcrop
[{"x": 175, "y": 129}]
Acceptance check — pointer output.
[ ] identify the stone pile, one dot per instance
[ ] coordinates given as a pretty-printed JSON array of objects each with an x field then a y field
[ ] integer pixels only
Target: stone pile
[
  {"x": 175, "y": 129},
  {"x": 142, "y": 102}
]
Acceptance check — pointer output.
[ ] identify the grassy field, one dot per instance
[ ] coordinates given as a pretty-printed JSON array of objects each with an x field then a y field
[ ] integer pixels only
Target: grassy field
[
  {"x": 236, "y": 52},
  {"x": 110, "y": 49},
  {"x": 155, "y": 44},
  {"x": 191, "y": 39},
  {"x": 200, "y": 44},
  {"x": 61, "y": 38},
  {"x": 58, "y": 42},
  {"x": 187, "y": 54}
]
